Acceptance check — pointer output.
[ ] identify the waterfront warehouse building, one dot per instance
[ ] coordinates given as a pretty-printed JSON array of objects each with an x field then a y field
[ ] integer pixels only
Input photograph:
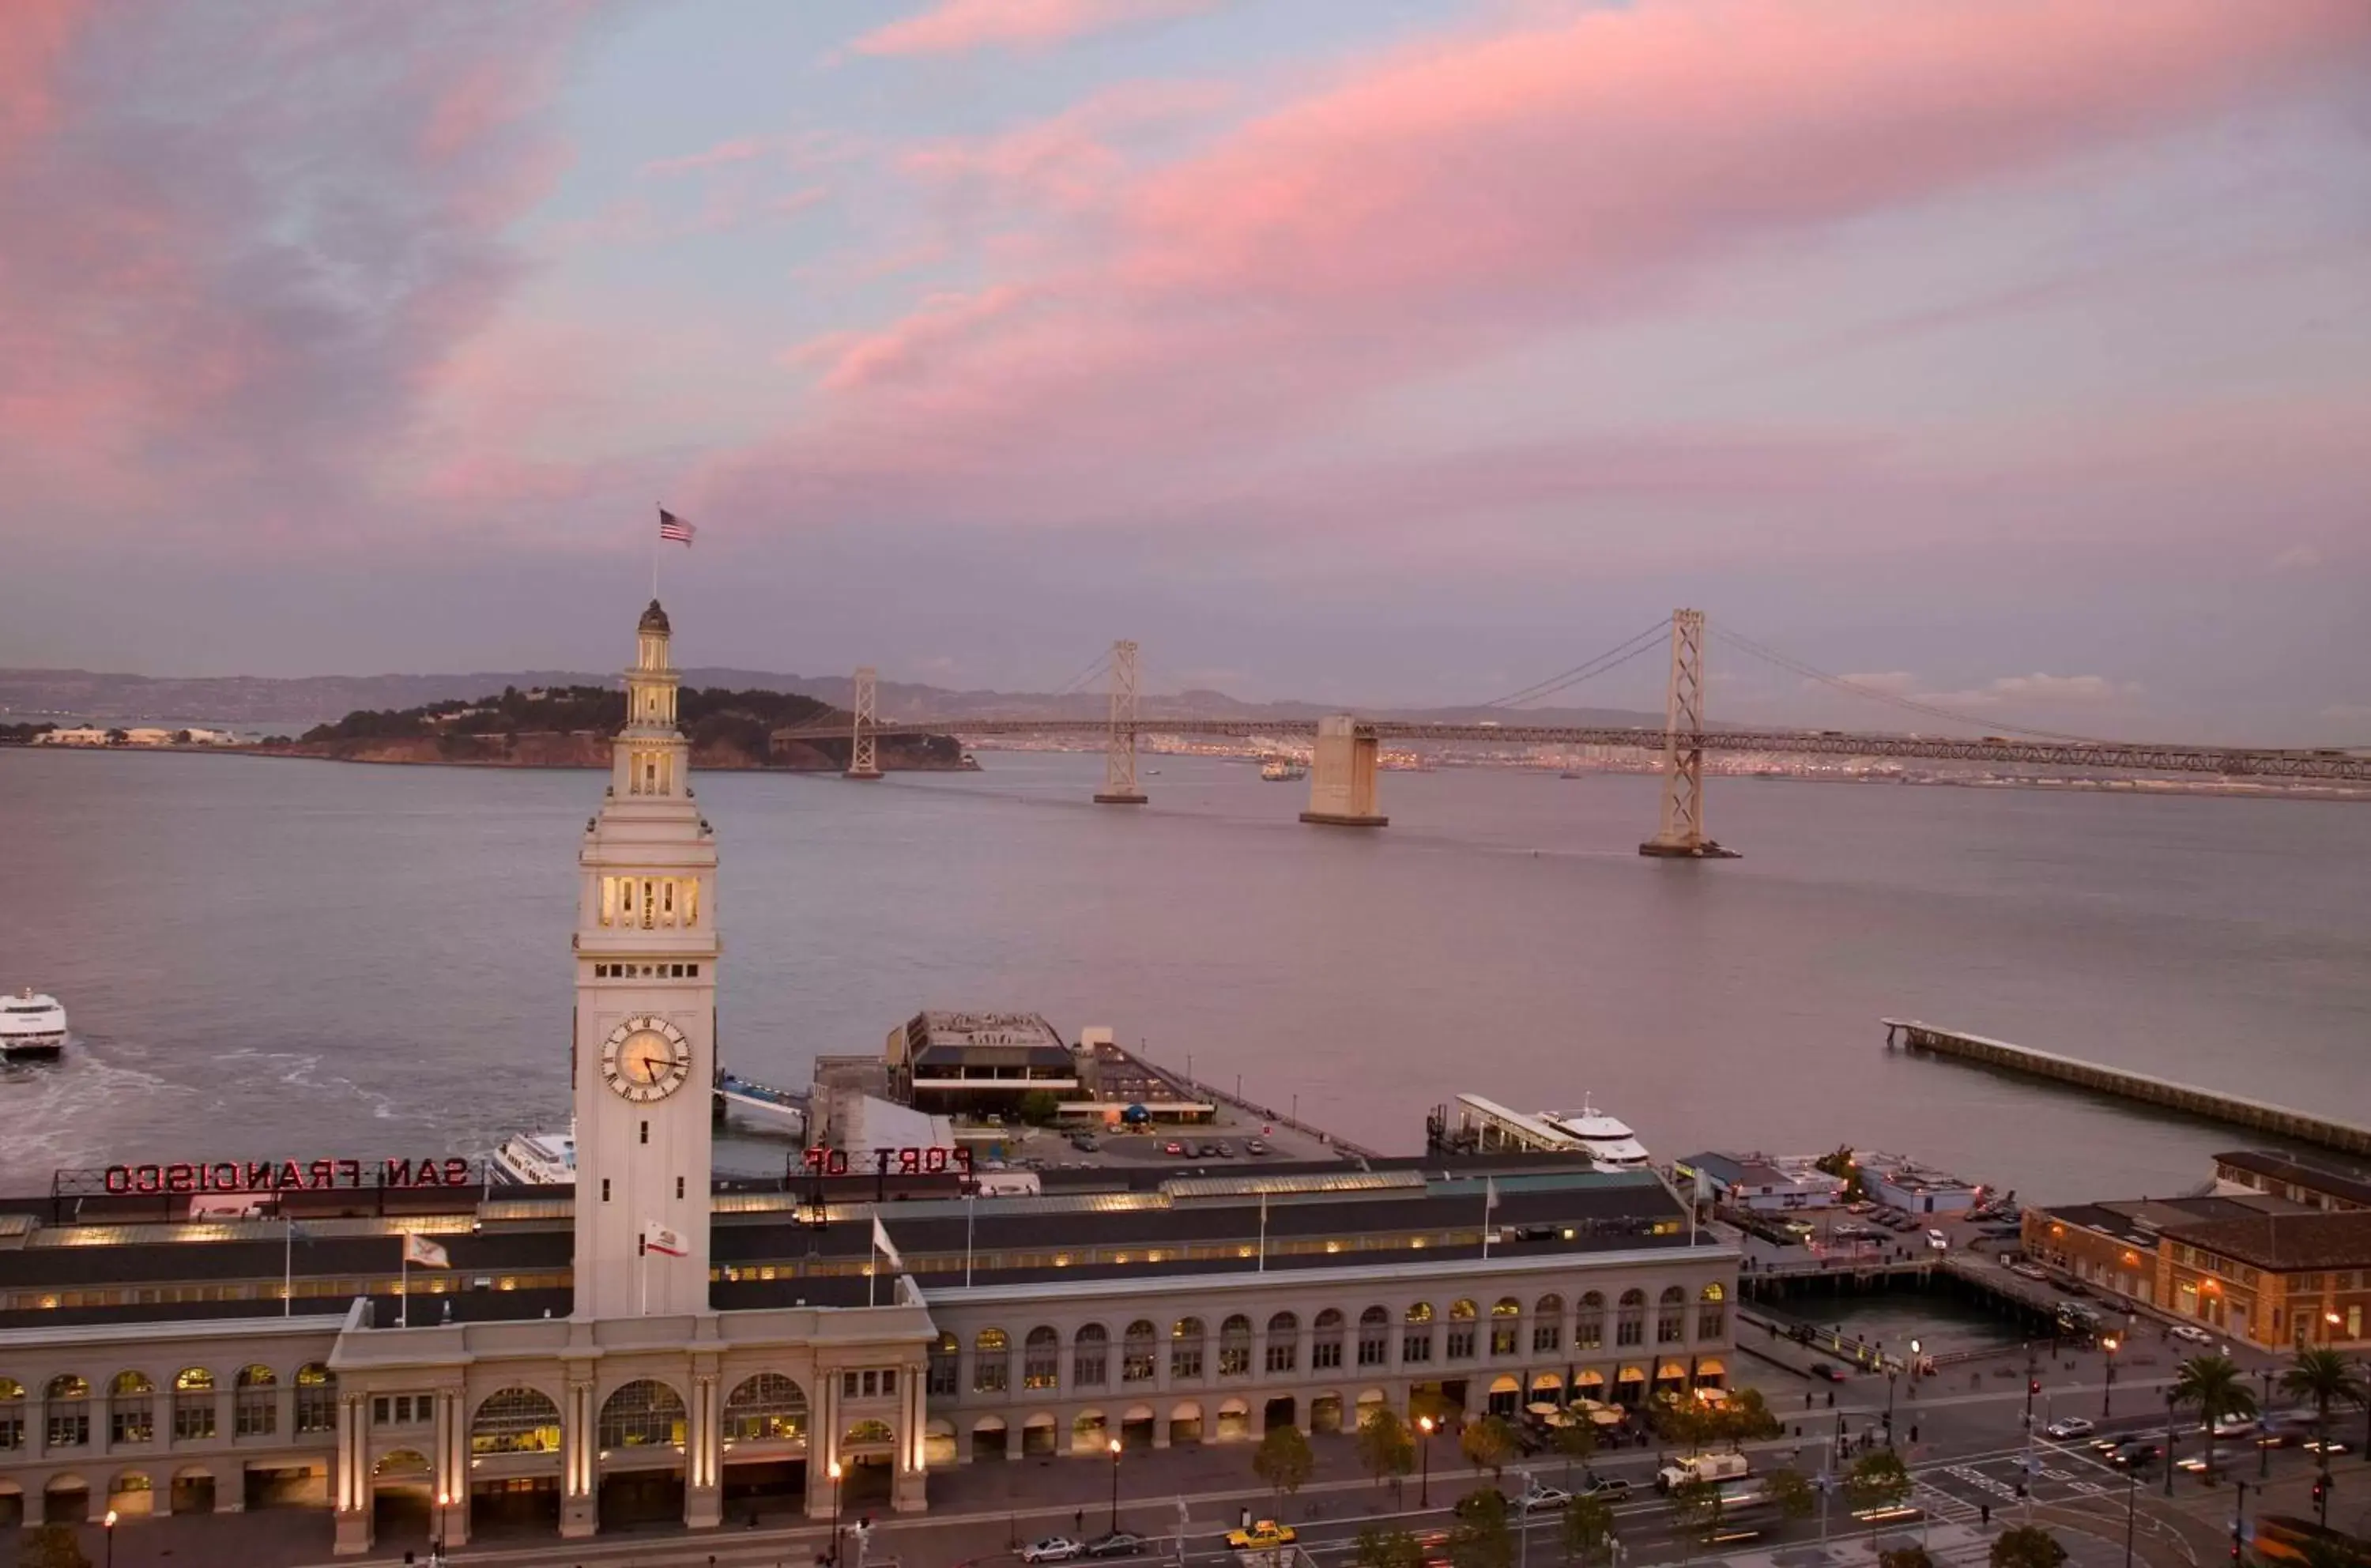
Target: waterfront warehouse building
[{"x": 390, "y": 1344}]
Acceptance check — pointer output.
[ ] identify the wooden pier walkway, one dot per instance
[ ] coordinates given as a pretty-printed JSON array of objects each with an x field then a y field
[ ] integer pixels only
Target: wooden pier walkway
[{"x": 2140, "y": 1087}]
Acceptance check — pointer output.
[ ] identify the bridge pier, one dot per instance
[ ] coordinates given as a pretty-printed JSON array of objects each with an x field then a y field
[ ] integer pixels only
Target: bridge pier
[
  {"x": 1680, "y": 834},
  {"x": 1342, "y": 775}
]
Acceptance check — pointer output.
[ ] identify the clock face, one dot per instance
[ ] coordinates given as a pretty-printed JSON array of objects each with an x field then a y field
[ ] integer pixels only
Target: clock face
[{"x": 646, "y": 1059}]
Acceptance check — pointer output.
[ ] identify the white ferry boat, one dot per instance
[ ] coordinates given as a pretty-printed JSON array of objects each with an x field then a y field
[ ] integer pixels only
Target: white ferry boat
[
  {"x": 535, "y": 1159},
  {"x": 1607, "y": 1141},
  {"x": 1279, "y": 770},
  {"x": 32, "y": 1025}
]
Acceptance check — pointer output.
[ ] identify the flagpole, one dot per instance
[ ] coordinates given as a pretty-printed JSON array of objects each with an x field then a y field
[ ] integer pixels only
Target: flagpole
[
  {"x": 654, "y": 566},
  {"x": 287, "y": 1262},
  {"x": 872, "y": 1273},
  {"x": 969, "y": 1198},
  {"x": 404, "y": 1321},
  {"x": 1263, "y": 1244},
  {"x": 1489, "y": 1201}
]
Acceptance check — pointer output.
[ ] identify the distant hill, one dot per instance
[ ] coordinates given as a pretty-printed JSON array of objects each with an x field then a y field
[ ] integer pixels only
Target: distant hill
[{"x": 258, "y": 702}]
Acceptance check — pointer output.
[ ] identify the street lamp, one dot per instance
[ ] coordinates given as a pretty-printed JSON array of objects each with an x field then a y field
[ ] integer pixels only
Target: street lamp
[
  {"x": 2169, "y": 1411},
  {"x": 2131, "y": 1509},
  {"x": 833, "y": 1471},
  {"x": 2108, "y": 1389},
  {"x": 1114, "y": 1513},
  {"x": 436, "y": 1549},
  {"x": 1424, "y": 1491},
  {"x": 2264, "y": 1450},
  {"x": 110, "y": 1537}
]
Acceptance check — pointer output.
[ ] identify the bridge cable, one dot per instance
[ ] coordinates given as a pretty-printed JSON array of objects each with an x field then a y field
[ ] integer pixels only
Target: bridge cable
[
  {"x": 1855, "y": 688},
  {"x": 1079, "y": 681},
  {"x": 1613, "y": 658}
]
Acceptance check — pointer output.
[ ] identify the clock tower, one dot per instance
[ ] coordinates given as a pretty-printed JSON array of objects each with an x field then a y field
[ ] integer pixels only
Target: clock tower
[{"x": 644, "y": 1057}]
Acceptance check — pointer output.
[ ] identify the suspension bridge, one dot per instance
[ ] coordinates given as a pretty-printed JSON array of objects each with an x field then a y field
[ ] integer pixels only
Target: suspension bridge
[{"x": 1345, "y": 747}]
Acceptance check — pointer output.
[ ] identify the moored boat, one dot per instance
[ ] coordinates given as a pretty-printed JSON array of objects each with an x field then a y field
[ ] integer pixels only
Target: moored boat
[{"x": 32, "y": 1024}]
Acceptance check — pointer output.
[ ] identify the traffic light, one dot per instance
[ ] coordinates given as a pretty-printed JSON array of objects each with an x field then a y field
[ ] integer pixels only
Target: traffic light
[
  {"x": 2033, "y": 1385},
  {"x": 2320, "y": 1491}
]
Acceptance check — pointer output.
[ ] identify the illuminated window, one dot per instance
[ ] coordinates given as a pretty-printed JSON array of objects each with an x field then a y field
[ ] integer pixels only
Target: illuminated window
[
  {"x": 131, "y": 1409},
  {"x": 255, "y": 1411},
  {"x": 643, "y": 1414},
  {"x": 1041, "y": 1359},
  {"x": 766, "y": 1408},
  {"x": 516, "y": 1421},
  {"x": 990, "y": 1361},
  {"x": 194, "y": 1404}
]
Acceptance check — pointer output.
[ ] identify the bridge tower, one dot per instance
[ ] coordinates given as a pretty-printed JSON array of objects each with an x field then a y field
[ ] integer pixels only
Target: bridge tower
[
  {"x": 1119, "y": 755},
  {"x": 863, "y": 751},
  {"x": 1342, "y": 779},
  {"x": 1680, "y": 834}
]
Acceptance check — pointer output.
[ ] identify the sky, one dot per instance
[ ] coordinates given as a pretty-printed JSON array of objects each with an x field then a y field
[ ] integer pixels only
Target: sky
[{"x": 2008, "y": 355}]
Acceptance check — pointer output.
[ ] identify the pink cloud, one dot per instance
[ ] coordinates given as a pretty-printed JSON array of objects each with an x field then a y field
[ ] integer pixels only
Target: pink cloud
[
  {"x": 960, "y": 27},
  {"x": 1450, "y": 200},
  {"x": 1072, "y": 160},
  {"x": 740, "y": 149}
]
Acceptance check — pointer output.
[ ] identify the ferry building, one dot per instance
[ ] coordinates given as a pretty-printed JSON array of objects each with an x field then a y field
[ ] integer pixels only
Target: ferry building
[{"x": 648, "y": 1345}]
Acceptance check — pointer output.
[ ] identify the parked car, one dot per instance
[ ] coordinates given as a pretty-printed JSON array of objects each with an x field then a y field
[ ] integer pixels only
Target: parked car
[
  {"x": 1117, "y": 1543},
  {"x": 2028, "y": 1271},
  {"x": 2192, "y": 1333},
  {"x": 1938, "y": 1240},
  {"x": 1053, "y": 1549},
  {"x": 1255, "y": 1146},
  {"x": 2069, "y": 1426},
  {"x": 1225, "y": 1150},
  {"x": 1175, "y": 1147},
  {"x": 1611, "y": 1488},
  {"x": 1539, "y": 1498}
]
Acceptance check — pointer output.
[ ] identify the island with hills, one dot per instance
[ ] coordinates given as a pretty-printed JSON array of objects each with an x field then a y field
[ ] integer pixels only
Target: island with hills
[{"x": 571, "y": 726}]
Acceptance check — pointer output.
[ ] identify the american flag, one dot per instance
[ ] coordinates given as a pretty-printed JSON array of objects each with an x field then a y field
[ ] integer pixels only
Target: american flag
[{"x": 674, "y": 528}]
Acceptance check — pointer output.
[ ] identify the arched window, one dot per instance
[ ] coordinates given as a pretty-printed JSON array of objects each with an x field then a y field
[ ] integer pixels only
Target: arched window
[
  {"x": 1547, "y": 1324},
  {"x": 516, "y": 1421},
  {"x": 991, "y": 1361},
  {"x": 1671, "y": 1316},
  {"x": 1712, "y": 1312},
  {"x": 255, "y": 1409},
  {"x": 1091, "y": 1356},
  {"x": 1325, "y": 1341},
  {"x": 642, "y": 1414},
  {"x": 131, "y": 1409},
  {"x": 1135, "y": 1363},
  {"x": 1375, "y": 1337},
  {"x": 867, "y": 1433},
  {"x": 1462, "y": 1314},
  {"x": 1415, "y": 1332},
  {"x": 317, "y": 1397},
  {"x": 1236, "y": 1347},
  {"x": 68, "y": 1401},
  {"x": 768, "y": 1408},
  {"x": 1185, "y": 1338},
  {"x": 946, "y": 1361},
  {"x": 193, "y": 1405},
  {"x": 1506, "y": 1327},
  {"x": 1283, "y": 1343},
  {"x": 1589, "y": 1323},
  {"x": 1041, "y": 1359},
  {"x": 1630, "y": 1318},
  {"x": 12, "y": 1413}
]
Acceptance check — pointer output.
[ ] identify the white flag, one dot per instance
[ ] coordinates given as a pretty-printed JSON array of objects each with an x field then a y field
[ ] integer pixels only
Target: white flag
[
  {"x": 418, "y": 1248},
  {"x": 883, "y": 1245},
  {"x": 659, "y": 1238}
]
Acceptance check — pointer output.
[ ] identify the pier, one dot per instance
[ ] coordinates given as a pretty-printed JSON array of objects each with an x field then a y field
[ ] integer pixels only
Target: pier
[{"x": 2139, "y": 1087}]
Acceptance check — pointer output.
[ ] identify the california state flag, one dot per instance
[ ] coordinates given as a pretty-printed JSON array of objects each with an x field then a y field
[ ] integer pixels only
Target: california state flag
[
  {"x": 418, "y": 1248},
  {"x": 659, "y": 1238}
]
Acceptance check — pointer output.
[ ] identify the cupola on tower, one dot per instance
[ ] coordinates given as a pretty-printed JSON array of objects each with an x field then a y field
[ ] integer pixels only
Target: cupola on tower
[{"x": 644, "y": 1057}]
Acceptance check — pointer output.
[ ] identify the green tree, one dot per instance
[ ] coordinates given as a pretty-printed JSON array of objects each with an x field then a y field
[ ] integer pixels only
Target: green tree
[
  {"x": 1480, "y": 1538},
  {"x": 1039, "y": 1107},
  {"x": 1588, "y": 1530},
  {"x": 2322, "y": 1375},
  {"x": 54, "y": 1546},
  {"x": 1576, "y": 1441},
  {"x": 1878, "y": 1479},
  {"x": 1684, "y": 1423},
  {"x": 1488, "y": 1444},
  {"x": 1377, "y": 1547},
  {"x": 1696, "y": 1510},
  {"x": 1283, "y": 1460},
  {"x": 2027, "y": 1546},
  {"x": 1790, "y": 1492},
  {"x": 1905, "y": 1557},
  {"x": 1384, "y": 1448},
  {"x": 1745, "y": 1417},
  {"x": 2214, "y": 1386}
]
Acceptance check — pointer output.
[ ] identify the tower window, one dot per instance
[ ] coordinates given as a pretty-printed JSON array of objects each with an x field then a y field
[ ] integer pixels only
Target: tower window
[
  {"x": 678, "y": 1186},
  {"x": 605, "y": 1188},
  {"x": 646, "y": 1132}
]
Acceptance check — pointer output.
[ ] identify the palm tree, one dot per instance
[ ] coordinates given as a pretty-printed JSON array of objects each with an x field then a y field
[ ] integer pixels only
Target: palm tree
[
  {"x": 2322, "y": 1375},
  {"x": 2217, "y": 1388}
]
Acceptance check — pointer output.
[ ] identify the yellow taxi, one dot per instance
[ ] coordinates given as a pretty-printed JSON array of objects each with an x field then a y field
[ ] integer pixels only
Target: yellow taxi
[{"x": 1263, "y": 1534}]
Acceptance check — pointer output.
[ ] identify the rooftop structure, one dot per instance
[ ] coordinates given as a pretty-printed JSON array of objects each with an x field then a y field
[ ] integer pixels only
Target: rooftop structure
[
  {"x": 1763, "y": 1182},
  {"x": 2323, "y": 1184}
]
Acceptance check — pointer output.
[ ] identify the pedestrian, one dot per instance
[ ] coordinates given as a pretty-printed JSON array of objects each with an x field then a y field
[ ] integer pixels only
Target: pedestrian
[
  {"x": 1985, "y": 1514},
  {"x": 1078, "y": 1522},
  {"x": 1832, "y": 1399},
  {"x": 1807, "y": 1399},
  {"x": 1913, "y": 1432}
]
